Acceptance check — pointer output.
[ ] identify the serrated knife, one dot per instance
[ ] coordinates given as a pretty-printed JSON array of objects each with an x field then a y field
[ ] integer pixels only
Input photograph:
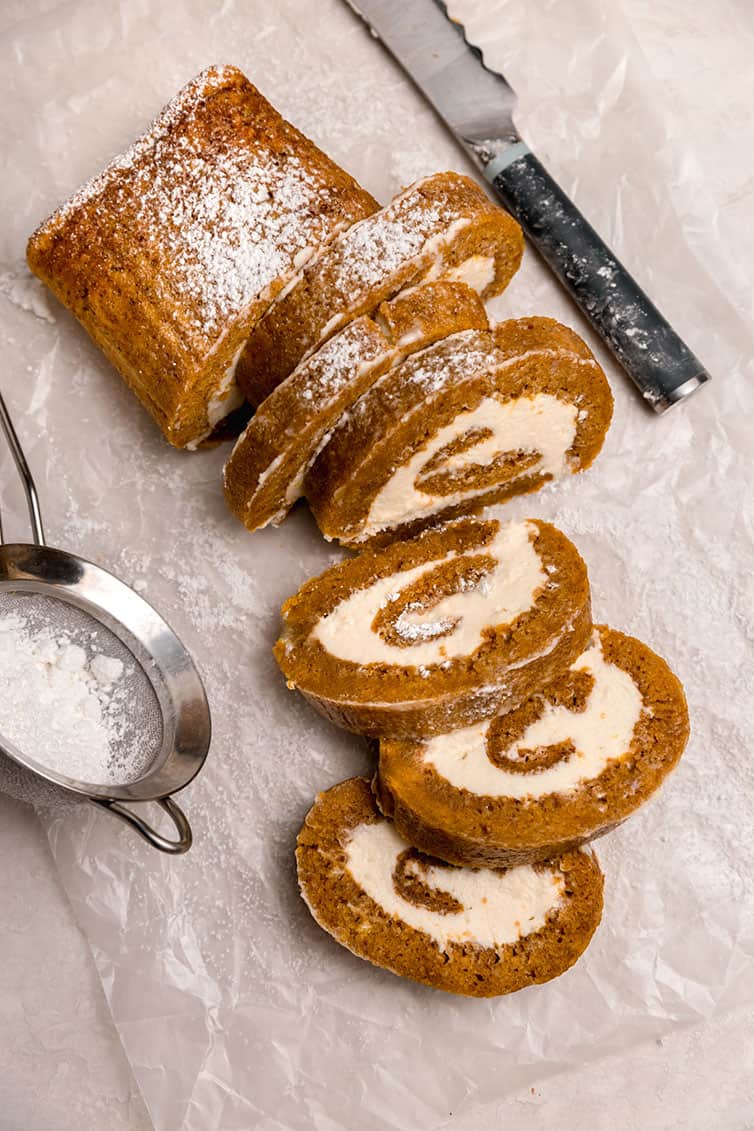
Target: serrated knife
[{"x": 477, "y": 104}]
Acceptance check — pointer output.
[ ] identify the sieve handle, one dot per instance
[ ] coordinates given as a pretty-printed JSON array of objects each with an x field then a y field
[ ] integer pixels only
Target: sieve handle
[
  {"x": 27, "y": 479},
  {"x": 150, "y": 835}
]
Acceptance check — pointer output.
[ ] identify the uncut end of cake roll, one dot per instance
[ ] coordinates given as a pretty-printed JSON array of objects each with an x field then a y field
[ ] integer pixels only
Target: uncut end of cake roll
[
  {"x": 444, "y": 225},
  {"x": 472, "y": 420},
  {"x": 264, "y": 475},
  {"x": 170, "y": 255},
  {"x": 568, "y": 765},
  {"x": 438, "y": 632},
  {"x": 476, "y": 932}
]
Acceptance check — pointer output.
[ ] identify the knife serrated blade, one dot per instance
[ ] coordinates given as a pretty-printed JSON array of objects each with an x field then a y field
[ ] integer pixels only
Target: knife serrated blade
[{"x": 477, "y": 104}]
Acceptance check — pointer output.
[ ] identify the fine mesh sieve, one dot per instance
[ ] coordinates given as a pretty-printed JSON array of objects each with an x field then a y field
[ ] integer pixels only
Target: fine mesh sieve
[{"x": 166, "y": 727}]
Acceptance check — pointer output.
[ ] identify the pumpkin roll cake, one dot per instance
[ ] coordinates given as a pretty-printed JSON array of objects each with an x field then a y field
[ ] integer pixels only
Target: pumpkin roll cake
[
  {"x": 444, "y": 225},
  {"x": 475, "y": 931},
  {"x": 577, "y": 758},
  {"x": 440, "y": 631},
  {"x": 170, "y": 256},
  {"x": 264, "y": 475},
  {"x": 474, "y": 419}
]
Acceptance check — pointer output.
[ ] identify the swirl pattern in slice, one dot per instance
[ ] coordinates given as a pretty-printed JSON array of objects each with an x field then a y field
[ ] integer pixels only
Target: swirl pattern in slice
[
  {"x": 440, "y": 631},
  {"x": 469, "y": 421},
  {"x": 478, "y": 932},
  {"x": 569, "y": 764}
]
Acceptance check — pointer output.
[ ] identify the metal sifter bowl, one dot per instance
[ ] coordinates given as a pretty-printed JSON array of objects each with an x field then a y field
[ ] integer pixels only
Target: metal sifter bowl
[{"x": 181, "y": 739}]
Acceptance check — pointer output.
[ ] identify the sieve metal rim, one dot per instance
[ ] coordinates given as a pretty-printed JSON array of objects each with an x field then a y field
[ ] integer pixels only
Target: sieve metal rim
[
  {"x": 108, "y": 600},
  {"x": 186, "y": 723}
]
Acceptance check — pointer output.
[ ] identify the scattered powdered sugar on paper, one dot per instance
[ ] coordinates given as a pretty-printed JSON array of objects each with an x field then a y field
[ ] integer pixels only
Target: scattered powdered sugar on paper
[{"x": 27, "y": 293}]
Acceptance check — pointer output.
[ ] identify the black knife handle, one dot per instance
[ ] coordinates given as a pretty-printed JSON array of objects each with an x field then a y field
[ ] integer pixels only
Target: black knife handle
[{"x": 656, "y": 359}]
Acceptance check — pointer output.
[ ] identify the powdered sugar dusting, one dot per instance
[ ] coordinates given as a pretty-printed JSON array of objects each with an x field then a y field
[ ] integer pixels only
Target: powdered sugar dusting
[
  {"x": 416, "y": 631},
  {"x": 316, "y": 390},
  {"x": 229, "y": 224},
  {"x": 222, "y": 217},
  {"x": 213, "y": 78},
  {"x": 334, "y": 365},
  {"x": 378, "y": 246},
  {"x": 430, "y": 370},
  {"x": 400, "y": 245},
  {"x": 385, "y": 243},
  {"x": 63, "y": 708},
  {"x": 438, "y": 368},
  {"x": 321, "y": 378}
]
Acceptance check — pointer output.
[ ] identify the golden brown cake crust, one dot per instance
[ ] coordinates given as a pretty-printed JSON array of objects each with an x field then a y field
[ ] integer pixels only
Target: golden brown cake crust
[
  {"x": 429, "y": 230},
  {"x": 169, "y": 256},
  {"x": 342, "y": 908},
  {"x": 468, "y": 828},
  {"x": 398, "y": 416},
  {"x": 402, "y": 701},
  {"x": 264, "y": 475}
]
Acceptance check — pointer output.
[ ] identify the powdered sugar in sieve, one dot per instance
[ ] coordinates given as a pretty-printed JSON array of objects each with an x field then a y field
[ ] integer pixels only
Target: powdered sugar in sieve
[{"x": 72, "y": 696}]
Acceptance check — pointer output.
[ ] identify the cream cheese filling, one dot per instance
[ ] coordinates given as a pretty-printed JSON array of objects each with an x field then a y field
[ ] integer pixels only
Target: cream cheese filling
[
  {"x": 542, "y": 423},
  {"x": 497, "y": 599},
  {"x": 498, "y": 908},
  {"x": 226, "y": 397},
  {"x": 600, "y": 733},
  {"x": 477, "y": 272}
]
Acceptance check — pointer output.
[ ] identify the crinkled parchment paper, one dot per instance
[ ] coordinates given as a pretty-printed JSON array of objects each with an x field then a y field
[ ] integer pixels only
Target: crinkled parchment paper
[{"x": 234, "y": 1009}]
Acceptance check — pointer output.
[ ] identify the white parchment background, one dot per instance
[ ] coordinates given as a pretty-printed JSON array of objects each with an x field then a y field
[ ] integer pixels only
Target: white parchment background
[{"x": 234, "y": 1009}]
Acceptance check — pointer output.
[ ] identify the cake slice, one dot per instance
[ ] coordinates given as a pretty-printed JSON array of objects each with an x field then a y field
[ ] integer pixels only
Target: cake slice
[
  {"x": 472, "y": 420},
  {"x": 169, "y": 257},
  {"x": 265, "y": 473},
  {"x": 438, "y": 632},
  {"x": 478, "y": 932},
  {"x": 568, "y": 765},
  {"x": 444, "y": 225}
]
